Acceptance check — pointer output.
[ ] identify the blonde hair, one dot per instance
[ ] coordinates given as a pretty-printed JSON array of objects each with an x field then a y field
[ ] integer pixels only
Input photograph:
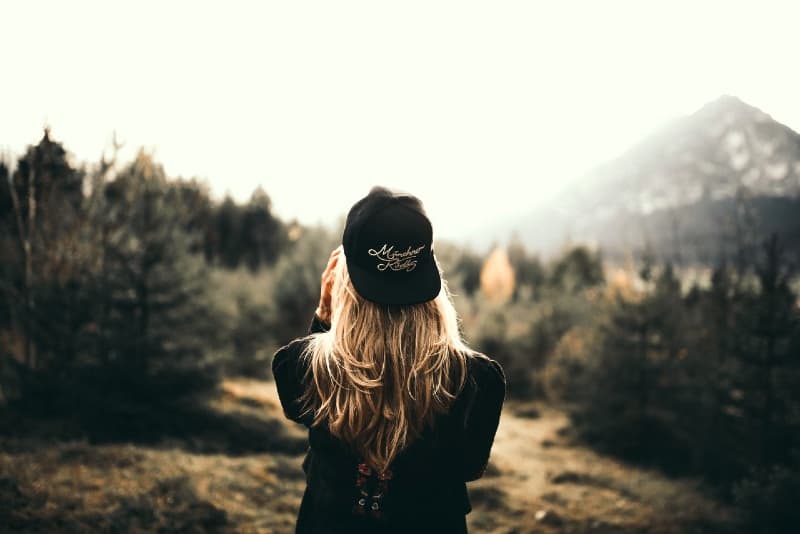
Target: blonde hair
[{"x": 382, "y": 374}]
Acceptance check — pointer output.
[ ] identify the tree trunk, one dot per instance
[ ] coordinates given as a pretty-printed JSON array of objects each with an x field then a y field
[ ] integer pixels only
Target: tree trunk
[{"x": 24, "y": 231}]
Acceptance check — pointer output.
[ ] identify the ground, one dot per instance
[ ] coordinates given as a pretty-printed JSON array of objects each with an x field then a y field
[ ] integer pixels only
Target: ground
[{"x": 537, "y": 481}]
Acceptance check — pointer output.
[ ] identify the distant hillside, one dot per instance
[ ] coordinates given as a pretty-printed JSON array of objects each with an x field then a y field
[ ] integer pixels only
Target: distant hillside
[{"x": 706, "y": 185}]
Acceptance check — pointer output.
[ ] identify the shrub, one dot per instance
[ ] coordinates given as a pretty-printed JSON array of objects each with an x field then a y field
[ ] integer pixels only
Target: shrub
[{"x": 768, "y": 498}]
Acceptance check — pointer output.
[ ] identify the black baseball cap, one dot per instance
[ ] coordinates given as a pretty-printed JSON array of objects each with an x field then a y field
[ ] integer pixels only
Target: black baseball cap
[{"x": 388, "y": 246}]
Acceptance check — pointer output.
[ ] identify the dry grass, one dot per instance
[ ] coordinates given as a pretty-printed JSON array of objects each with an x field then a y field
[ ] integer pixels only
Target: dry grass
[
  {"x": 77, "y": 486},
  {"x": 553, "y": 486}
]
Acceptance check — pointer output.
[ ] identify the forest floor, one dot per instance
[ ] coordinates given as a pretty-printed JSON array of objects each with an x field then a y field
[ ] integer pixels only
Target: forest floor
[{"x": 240, "y": 471}]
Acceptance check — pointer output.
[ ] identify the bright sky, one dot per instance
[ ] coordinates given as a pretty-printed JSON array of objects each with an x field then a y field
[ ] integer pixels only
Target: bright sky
[{"x": 479, "y": 108}]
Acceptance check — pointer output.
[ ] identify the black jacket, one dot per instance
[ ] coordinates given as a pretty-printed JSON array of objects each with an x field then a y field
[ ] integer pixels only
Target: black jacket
[{"x": 427, "y": 491}]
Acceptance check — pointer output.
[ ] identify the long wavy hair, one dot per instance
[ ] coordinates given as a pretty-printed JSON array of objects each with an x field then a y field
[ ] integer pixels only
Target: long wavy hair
[{"x": 382, "y": 374}]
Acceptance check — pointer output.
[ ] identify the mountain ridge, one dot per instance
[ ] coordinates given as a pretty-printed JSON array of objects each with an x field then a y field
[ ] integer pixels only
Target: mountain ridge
[{"x": 727, "y": 156}]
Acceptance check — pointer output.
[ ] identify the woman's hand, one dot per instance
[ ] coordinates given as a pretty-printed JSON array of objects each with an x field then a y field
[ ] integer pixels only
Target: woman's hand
[{"x": 324, "y": 308}]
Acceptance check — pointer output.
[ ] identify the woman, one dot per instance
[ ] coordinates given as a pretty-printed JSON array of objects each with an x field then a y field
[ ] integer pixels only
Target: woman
[{"x": 401, "y": 414}]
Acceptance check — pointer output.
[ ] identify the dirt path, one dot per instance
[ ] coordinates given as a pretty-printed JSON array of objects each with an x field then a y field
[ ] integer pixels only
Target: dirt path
[
  {"x": 547, "y": 485},
  {"x": 537, "y": 482}
]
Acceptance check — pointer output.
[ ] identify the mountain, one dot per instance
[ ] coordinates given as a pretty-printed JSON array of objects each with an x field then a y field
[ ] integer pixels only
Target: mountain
[{"x": 705, "y": 187}]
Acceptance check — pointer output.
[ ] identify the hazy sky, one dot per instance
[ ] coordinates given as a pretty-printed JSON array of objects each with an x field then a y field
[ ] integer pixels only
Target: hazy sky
[{"x": 479, "y": 108}]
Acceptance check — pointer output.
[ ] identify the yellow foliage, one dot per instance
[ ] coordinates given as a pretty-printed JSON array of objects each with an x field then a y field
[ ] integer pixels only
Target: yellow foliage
[
  {"x": 623, "y": 282},
  {"x": 497, "y": 277}
]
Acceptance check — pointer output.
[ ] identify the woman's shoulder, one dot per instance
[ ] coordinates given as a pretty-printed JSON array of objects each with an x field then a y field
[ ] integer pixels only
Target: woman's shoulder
[
  {"x": 483, "y": 368},
  {"x": 294, "y": 351},
  {"x": 297, "y": 348},
  {"x": 484, "y": 390},
  {"x": 297, "y": 345}
]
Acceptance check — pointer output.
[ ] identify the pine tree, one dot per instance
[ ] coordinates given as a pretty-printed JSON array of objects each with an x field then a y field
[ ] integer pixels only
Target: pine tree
[
  {"x": 41, "y": 217},
  {"x": 156, "y": 321},
  {"x": 771, "y": 319},
  {"x": 262, "y": 235}
]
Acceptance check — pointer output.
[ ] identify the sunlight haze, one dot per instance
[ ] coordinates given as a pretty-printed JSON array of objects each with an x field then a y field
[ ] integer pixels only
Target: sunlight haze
[{"x": 480, "y": 109}]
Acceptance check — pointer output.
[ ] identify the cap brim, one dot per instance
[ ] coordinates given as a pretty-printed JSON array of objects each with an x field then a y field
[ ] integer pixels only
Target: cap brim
[{"x": 422, "y": 286}]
